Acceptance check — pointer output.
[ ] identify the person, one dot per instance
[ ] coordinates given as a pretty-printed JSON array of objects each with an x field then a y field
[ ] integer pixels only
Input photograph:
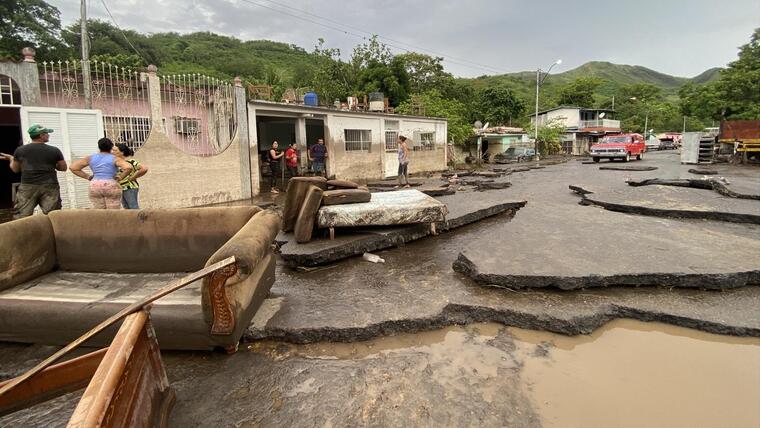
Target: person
[
  {"x": 403, "y": 161},
  {"x": 37, "y": 162},
  {"x": 107, "y": 172},
  {"x": 291, "y": 159},
  {"x": 129, "y": 185},
  {"x": 317, "y": 155},
  {"x": 274, "y": 165}
]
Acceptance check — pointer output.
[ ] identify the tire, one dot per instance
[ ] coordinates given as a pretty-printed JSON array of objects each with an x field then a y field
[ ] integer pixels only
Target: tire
[
  {"x": 627, "y": 157},
  {"x": 595, "y": 160},
  {"x": 640, "y": 156}
]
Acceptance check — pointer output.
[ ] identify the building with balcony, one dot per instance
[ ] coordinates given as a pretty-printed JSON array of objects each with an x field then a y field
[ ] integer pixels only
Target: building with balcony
[{"x": 583, "y": 126}]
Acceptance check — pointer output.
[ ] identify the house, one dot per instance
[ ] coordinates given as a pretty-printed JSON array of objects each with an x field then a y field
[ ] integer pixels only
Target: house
[
  {"x": 497, "y": 139},
  {"x": 583, "y": 126},
  {"x": 361, "y": 145},
  {"x": 201, "y": 139}
]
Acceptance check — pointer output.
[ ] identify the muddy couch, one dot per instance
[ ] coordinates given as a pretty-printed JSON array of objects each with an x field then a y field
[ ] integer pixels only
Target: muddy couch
[{"x": 63, "y": 273}]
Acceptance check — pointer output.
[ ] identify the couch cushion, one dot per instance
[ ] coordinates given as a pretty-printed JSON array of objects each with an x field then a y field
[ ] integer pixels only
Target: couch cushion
[
  {"x": 346, "y": 196},
  {"x": 27, "y": 250},
  {"x": 297, "y": 187},
  {"x": 170, "y": 240},
  {"x": 307, "y": 215}
]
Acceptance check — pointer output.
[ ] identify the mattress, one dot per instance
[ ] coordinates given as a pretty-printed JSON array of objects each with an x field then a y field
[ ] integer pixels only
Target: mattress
[{"x": 384, "y": 209}]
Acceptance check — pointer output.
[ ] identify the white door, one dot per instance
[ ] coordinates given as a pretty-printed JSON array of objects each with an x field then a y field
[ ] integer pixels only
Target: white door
[
  {"x": 391, "y": 154},
  {"x": 75, "y": 133}
]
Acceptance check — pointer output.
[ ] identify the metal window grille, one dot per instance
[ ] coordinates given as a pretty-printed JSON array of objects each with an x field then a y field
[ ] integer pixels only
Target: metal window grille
[
  {"x": 390, "y": 140},
  {"x": 358, "y": 139},
  {"x": 567, "y": 147},
  {"x": 425, "y": 141},
  {"x": 132, "y": 130}
]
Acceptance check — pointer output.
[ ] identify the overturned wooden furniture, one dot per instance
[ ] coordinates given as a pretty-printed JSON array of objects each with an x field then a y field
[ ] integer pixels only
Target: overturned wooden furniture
[
  {"x": 62, "y": 273},
  {"x": 126, "y": 382}
]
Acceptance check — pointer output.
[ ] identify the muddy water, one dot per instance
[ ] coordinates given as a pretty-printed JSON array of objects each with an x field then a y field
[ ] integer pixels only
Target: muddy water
[{"x": 627, "y": 373}]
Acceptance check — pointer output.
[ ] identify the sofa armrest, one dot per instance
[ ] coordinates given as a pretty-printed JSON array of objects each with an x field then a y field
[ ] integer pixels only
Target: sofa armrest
[
  {"x": 249, "y": 245},
  {"x": 27, "y": 250}
]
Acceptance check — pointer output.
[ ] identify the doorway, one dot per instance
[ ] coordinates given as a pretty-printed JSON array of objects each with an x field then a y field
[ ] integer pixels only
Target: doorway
[
  {"x": 10, "y": 140},
  {"x": 270, "y": 129},
  {"x": 315, "y": 129}
]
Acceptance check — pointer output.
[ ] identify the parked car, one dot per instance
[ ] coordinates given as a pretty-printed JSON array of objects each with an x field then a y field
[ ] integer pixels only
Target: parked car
[
  {"x": 667, "y": 145},
  {"x": 515, "y": 154},
  {"x": 653, "y": 144},
  {"x": 621, "y": 146}
]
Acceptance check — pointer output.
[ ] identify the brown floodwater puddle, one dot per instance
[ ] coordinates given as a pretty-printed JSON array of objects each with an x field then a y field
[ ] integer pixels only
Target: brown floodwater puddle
[{"x": 627, "y": 373}]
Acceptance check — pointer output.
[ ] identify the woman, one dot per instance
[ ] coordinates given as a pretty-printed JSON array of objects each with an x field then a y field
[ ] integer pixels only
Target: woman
[
  {"x": 291, "y": 160},
  {"x": 403, "y": 161},
  {"x": 274, "y": 165},
  {"x": 105, "y": 192},
  {"x": 129, "y": 185}
]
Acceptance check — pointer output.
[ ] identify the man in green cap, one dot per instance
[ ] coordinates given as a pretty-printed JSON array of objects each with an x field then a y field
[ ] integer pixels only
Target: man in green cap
[{"x": 38, "y": 163}]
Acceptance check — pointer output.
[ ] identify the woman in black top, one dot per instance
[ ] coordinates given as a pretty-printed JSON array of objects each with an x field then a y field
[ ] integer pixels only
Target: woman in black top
[{"x": 274, "y": 165}]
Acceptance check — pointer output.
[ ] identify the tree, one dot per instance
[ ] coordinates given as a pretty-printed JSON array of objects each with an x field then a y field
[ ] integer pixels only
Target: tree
[
  {"x": 452, "y": 110},
  {"x": 549, "y": 136},
  {"x": 579, "y": 92},
  {"x": 426, "y": 72},
  {"x": 739, "y": 84},
  {"x": 499, "y": 105},
  {"x": 331, "y": 76},
  {"x": 391, "y": 79},
  {"x": 32, "y": 23},
  {"x": 702, "y": 101}
]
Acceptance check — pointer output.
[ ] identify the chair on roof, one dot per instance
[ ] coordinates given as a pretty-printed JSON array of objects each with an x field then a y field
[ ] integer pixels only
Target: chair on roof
[
  {"x": 388, "y": 108},
  {"x": 260, "y": 92},
  {"x": 289, "y": 96}
]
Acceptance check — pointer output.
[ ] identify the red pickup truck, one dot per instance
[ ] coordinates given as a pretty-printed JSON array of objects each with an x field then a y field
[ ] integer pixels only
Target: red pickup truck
[{"x": 621, "y": 146}]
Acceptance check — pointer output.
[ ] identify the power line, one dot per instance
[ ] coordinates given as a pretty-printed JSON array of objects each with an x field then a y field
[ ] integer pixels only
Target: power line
[
  {"x": 419, "y": 48},
  {"x": 122, "y": 32},
  {"x": 351, "y": 33}
]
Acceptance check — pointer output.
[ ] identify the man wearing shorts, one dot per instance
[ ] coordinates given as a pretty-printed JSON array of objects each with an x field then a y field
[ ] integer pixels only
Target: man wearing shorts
[
  {"x": 317, "y": 155},
  {"x": 38, "y": 163}
]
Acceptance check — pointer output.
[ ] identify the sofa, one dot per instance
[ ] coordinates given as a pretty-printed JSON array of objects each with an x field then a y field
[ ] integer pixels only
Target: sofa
[{"x": 63, "y": 273}]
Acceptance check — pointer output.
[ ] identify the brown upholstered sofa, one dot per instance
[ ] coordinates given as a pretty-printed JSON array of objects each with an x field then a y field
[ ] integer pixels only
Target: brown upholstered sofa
[{"x": 63, "y": 273}]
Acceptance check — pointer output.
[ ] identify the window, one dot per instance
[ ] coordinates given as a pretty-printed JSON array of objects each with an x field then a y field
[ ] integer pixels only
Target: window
[
  {"x": 358, "y": 139},
  {"x": 424, "y": 141},
  {"x": 390, "y": 140},
  {"x": 132, "y": 130},
  {"x": 567, "y": 147}
]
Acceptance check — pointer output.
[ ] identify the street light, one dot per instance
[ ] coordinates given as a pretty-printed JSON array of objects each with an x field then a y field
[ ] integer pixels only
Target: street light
[{"x": 539, "y": 82}]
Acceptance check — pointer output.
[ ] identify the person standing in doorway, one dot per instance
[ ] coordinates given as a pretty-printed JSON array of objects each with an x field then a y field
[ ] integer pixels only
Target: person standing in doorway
[
  {"x": 275, "y": 157},
  {"x": 291, "y": 159},
  {"x": 403, "y": 162},
  {"x": 317, "y": 156},
  {"x": 129, "y": 185},
  {"x": 37, "y": 162},
  {"x": 107, "y": 172}
]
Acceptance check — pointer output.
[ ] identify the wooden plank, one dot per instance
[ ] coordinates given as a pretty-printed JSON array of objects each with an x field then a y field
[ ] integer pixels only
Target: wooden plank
[
  {"x": 134, "y": 307},
  {"x": 52, "y": 382}
]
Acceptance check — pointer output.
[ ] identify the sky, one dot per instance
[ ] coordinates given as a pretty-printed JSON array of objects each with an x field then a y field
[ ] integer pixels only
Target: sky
[{"x": 476, "y": 37}]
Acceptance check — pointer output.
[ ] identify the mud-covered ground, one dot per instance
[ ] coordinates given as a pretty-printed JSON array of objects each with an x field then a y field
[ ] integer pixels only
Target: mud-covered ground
[{"x": 420, "y": 368}]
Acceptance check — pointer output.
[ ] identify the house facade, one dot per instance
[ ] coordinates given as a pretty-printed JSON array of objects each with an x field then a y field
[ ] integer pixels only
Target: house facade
[
  {"x": 360, "y": 145},
  {"x": 583, "y": 126}
]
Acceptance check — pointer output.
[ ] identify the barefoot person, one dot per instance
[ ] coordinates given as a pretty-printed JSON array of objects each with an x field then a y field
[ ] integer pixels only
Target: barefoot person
[
  {"x": 403, "y": 161},
  {"x": 37, "y": 162},
  {"x": 129, "y": 185},
  {"x": 105, "y": 191},
  {"x": 274, "y": 165}
]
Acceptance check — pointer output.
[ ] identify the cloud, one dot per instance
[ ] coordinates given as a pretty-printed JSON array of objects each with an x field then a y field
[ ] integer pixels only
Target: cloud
[{"x": 481, "y": 37}]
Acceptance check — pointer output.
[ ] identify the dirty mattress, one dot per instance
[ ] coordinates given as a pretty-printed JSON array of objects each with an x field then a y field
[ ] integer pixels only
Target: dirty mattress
[{"x": 385, "y": 209}]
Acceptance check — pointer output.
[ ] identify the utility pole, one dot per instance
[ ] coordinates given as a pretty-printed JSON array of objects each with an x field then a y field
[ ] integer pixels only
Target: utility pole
[
  {"x": 535, "y": 124},
  {"x": 85, "y": 55},
  {"x": 684, "y": 125},
  {"x": 613, "y": 102}
]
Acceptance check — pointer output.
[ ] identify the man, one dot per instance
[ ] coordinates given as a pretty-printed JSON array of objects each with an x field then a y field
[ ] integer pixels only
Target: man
[
  {"x": 317, "y": 155},
  {"x": 38, "y": 163},
  {"x": 291, "y": 159}
]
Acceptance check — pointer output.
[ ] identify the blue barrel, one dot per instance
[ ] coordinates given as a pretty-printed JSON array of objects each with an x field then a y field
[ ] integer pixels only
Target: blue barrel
[{"x": 311, "y": 99}]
